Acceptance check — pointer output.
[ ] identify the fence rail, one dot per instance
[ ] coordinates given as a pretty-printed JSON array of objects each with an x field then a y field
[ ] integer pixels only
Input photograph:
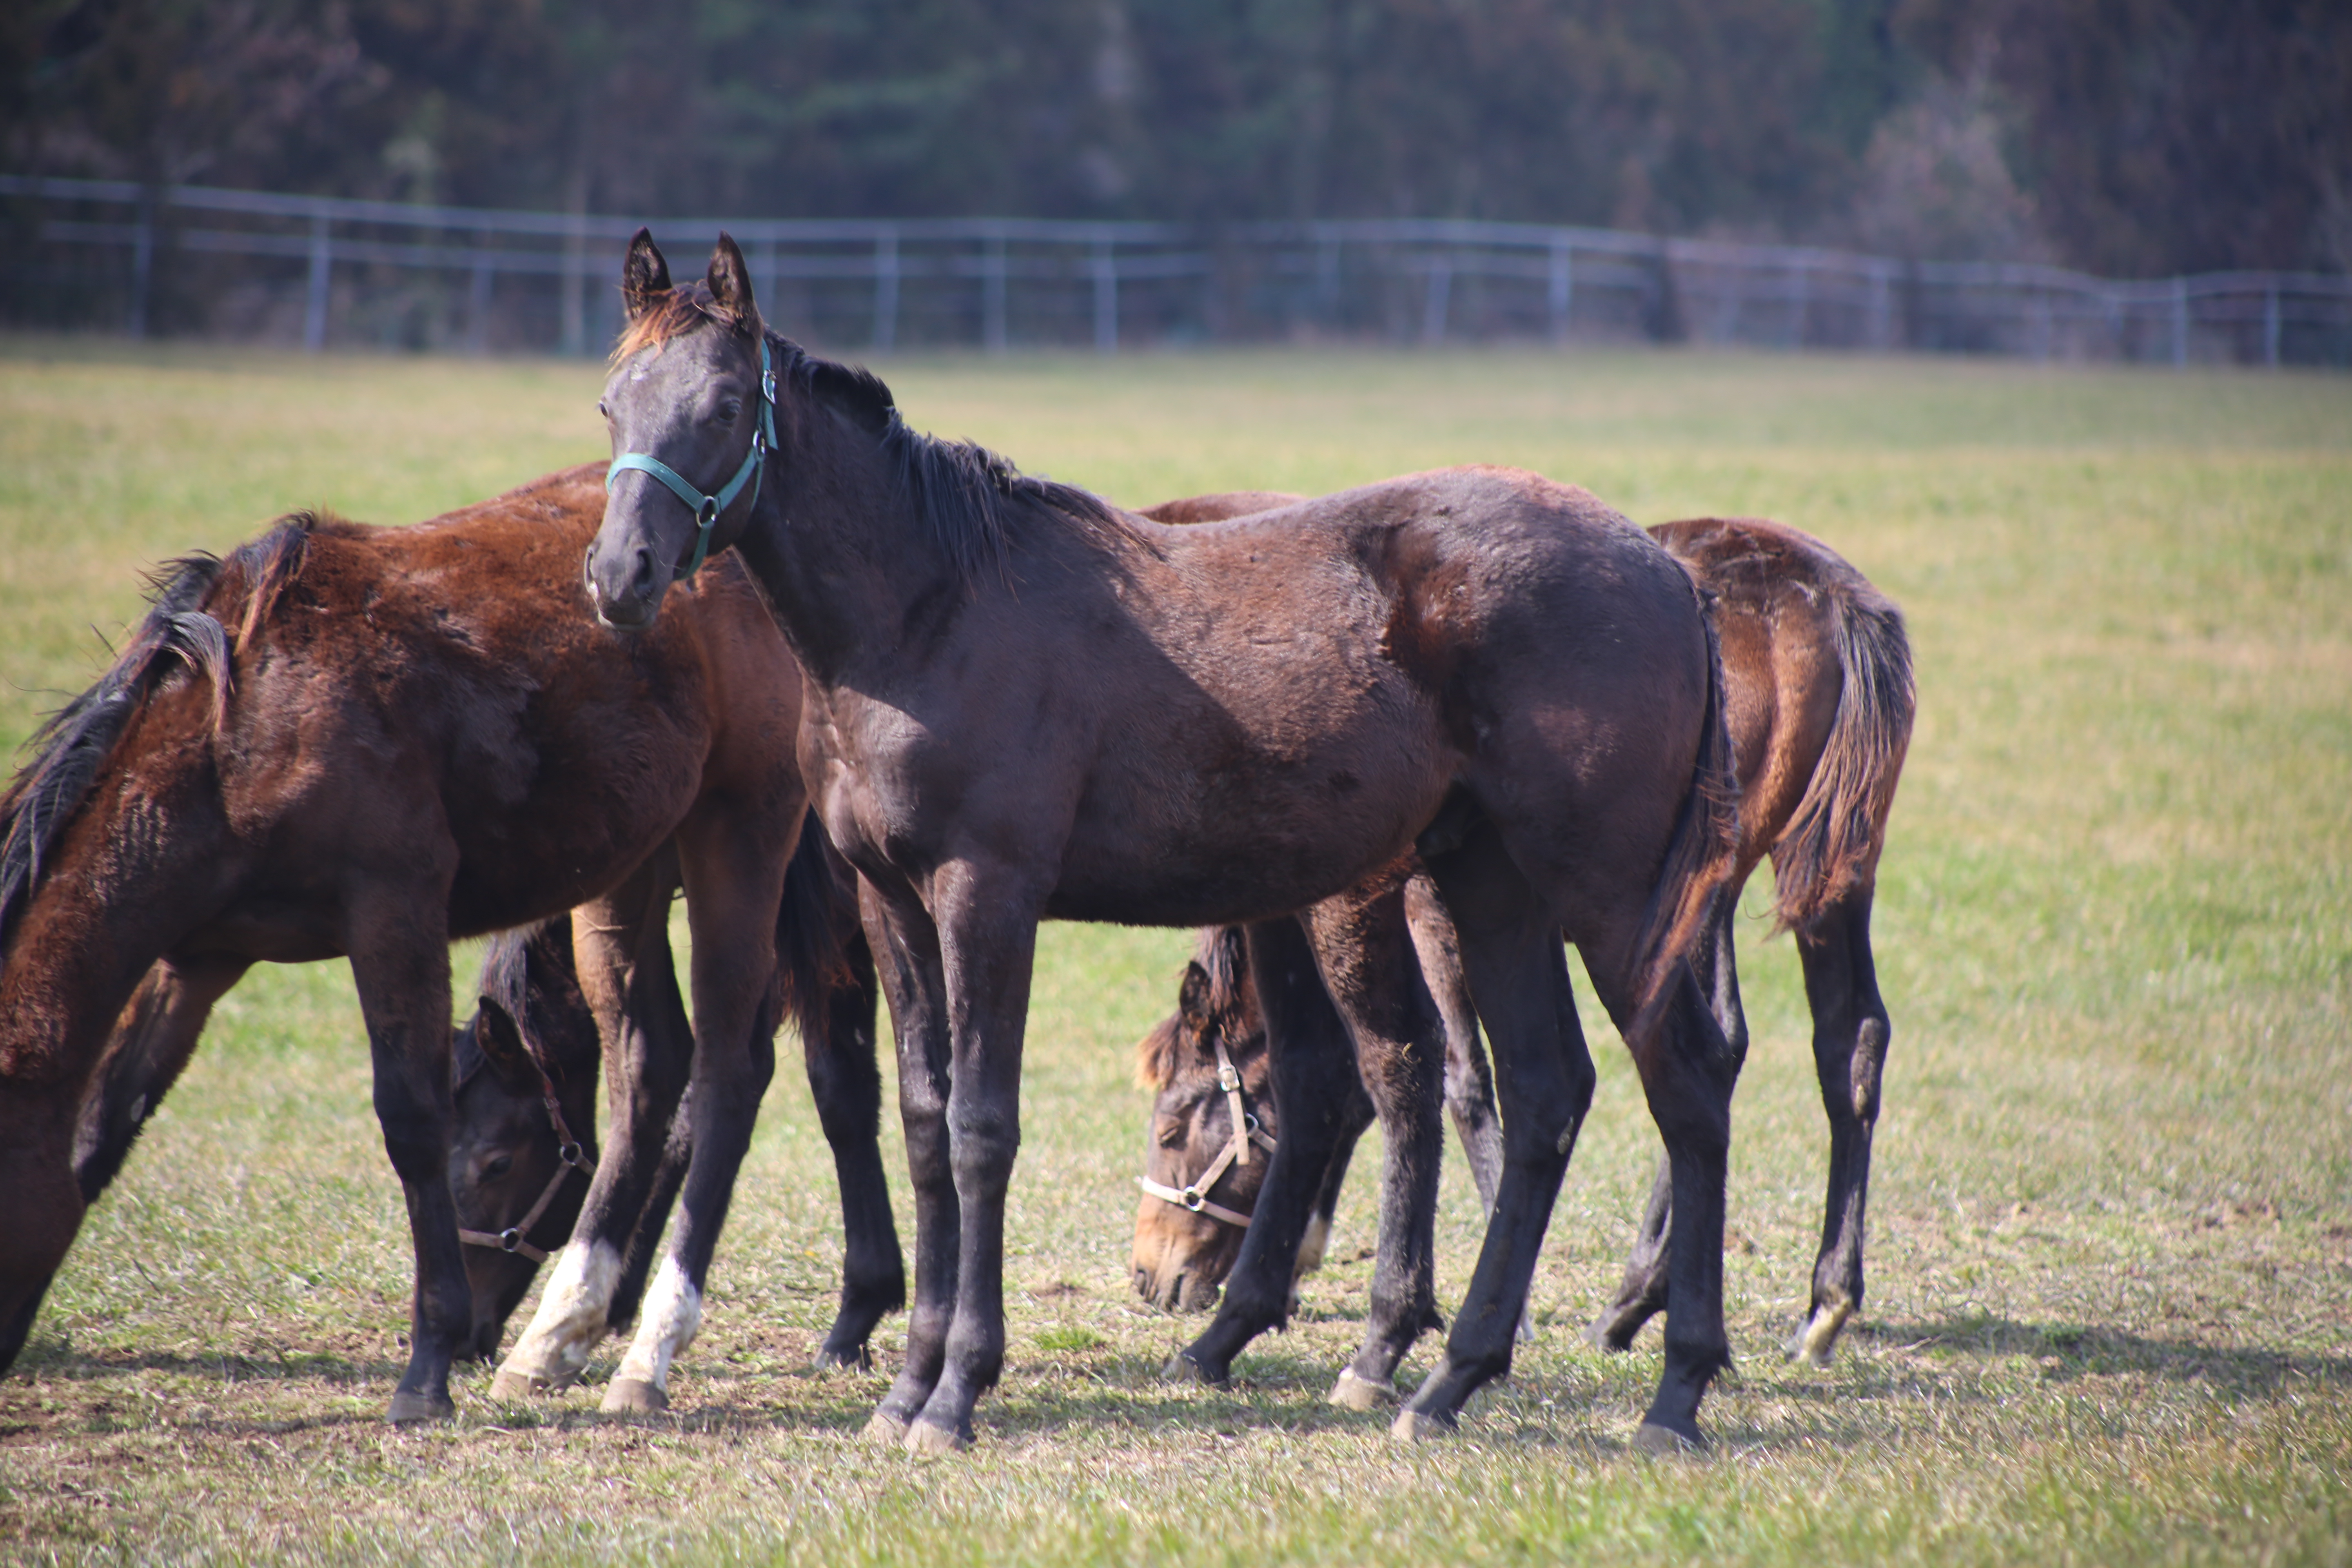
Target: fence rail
[{"x": 111, "y": 255}]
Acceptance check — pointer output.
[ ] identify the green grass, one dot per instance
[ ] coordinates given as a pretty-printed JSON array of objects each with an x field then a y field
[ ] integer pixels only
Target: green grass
[{"x": 2110, "y": 1316}]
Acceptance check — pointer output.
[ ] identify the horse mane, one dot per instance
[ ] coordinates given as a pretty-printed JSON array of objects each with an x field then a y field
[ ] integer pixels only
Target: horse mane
[
  {"x": 968, "y": 499},
  {"x": 1223, "y": 957},
  {"x": 181, "y": 630},
  {"x": 530, "y": 974}
]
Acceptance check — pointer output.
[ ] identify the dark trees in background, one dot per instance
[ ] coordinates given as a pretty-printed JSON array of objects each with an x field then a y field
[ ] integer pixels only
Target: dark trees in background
[{"x": 2126, "y": 136}]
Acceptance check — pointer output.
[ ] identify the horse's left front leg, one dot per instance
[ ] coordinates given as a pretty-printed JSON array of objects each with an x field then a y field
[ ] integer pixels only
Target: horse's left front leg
[
  {"x": 988, "y": 942},
  {"x": 733, "y": 869},
  {"x": 400, "y": 964}
]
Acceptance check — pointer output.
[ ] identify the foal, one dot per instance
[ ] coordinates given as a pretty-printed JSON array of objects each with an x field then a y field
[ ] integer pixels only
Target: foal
[
  {"x": 345, "y": 741},
  {"x": 1024, "y": 705},
  {"x": 1819, "y": 698}
]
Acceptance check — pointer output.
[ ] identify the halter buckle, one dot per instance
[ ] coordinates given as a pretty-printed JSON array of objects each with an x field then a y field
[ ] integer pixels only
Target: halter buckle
[
  {"x": 1194, "y": 1198},
  {"x": 1229, "y": 1078},
  {"x": 510, "y": 1239},
  {"x": 573, "y": 1155}
]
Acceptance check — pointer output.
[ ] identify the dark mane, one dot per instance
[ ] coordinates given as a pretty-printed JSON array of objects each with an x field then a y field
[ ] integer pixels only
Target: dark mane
[
  {"x": 968, "y": 498},
  {"x": 1224, "y": 957},
  {"x": 182, "y": 629}
]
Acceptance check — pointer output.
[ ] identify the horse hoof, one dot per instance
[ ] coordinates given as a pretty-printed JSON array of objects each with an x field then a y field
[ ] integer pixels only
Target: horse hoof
[
  {"x": 1816, "y": 1343},
  {"x": 1527, "y": 1335},
  {"x": 514, "y": 1387},
  {"x": 926, "y": 1437},
  {"x": 409, "y": 1408},
  {"x": 885, "y": 1429},
  {"x": 632, "y": 1396},
  {"x": 1664, "y": 1442},
  {"x": 1357, "y": 1393},
  {"x": 1182, "y": 1368},
  {"x": 857, "y": 1358},
  {"x": 1421, "y": 1426}
]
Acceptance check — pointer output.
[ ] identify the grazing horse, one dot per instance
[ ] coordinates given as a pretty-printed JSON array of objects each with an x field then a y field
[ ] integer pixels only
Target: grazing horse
[
  {"x": 357, "y": 742},
  {"x": 1819, "y": 697},
  {"x": 1020, "y": 704}
]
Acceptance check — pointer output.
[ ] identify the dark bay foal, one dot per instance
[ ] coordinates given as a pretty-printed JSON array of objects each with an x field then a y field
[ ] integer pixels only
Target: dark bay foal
[
  {"x": 1023, "y": 705},
  {"x": 357, "y": 742},
  {"x": 1818, "y": 682}
]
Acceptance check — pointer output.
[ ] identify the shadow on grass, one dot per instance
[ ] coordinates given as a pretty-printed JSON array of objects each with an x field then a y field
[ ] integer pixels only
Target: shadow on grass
[
  {"x": 2067, "y": 1350},
  {"x": 56, "y": 1358}
]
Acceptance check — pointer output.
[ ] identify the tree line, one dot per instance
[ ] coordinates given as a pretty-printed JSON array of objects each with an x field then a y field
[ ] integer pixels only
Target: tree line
[{"x": 2124, "y": 136}]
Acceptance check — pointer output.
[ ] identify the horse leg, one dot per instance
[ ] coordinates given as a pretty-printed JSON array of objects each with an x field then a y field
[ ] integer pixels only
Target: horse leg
[
  {"x": 621, "y": 946},
  {"x": 1642, "y": 1294},
  {"x": 1469, "y": 1081},
  {"x": 1519, "y": 972},
  {"x": 399, "y": 965},
  {"x": 44, "y": 1205},
  {"x": 847, "y": 1088},
  {"x": 1850, "y": 1038},
  {"x": 1366, "y": 955},
  {"x": 1319, "y": 1100},
  {"x": 906, "y": 948},
  {"x": 987, "y": 928},
  {"x": 1316, "y": 1242},
  {"x": 734, "y": 880},
  {"x": 153, "y": 1039},
  {"x": 638, "y": 1257}
]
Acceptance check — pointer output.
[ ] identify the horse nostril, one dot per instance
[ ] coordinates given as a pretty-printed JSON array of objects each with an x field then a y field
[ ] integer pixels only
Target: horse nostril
[{"x": 642, "y": 582}]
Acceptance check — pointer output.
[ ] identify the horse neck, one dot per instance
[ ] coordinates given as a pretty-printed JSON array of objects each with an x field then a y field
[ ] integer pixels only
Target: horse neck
[{"x": 841, "y": 556}]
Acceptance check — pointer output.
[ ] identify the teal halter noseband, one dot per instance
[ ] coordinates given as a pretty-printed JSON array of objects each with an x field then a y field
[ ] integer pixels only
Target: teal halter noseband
[{"x": 706, "y": 508}]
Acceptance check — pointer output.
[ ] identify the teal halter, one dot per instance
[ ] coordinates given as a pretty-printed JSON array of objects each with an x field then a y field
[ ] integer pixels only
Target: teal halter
[{"x": 706, "y": 508}]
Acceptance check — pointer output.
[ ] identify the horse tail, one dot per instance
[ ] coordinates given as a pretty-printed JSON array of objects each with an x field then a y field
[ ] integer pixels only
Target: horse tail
[
  {"x": 1829, "y": 847},
  {"x": 817, "y": 932},
  {"x": 1703, "y": 856}
]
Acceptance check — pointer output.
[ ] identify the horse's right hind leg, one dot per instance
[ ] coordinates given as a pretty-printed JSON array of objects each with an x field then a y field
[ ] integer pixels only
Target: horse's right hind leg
[
  {"x": 1642, "y": 1293},
  {"x": 44, "y": 1206},
  {"x": 1511, "y": 949},
  {"x": 1849, "y": 1036},
  {"x": 621, "y": 944}
]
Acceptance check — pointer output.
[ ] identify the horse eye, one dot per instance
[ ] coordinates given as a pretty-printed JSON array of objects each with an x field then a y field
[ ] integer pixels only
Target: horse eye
[
  {"x": 728, "y": 411},
  {"x": 602, "y": 411},
  {"x": 1173, "y": 1132},
  {"x": 499, "y": 1165}
]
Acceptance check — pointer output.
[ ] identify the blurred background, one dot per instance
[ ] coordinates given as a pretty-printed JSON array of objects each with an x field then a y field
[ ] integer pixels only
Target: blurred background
[{"x": 1923, "y": 173}]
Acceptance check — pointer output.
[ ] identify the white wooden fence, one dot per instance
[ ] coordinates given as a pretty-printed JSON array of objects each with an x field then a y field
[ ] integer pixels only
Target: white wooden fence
[{"x": 107, "y": 255}]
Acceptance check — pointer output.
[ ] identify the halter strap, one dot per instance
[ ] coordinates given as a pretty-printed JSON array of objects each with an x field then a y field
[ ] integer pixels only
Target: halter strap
[
  {"x": 1195, "y": 1194},
  {"x": 707, "y": 508},
  {"x": 569, "y": 1149}
]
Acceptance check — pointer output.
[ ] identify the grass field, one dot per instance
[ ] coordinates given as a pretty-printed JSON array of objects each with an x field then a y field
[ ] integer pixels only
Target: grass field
[{"x": 2110, "y": 1313}]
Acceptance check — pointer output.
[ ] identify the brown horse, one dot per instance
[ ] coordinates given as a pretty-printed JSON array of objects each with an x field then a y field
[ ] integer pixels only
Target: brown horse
[
  {"x": 359, "y": 742},
  {"x": 1818, "y": 682},
  {"x": 1022, "y": 704}
]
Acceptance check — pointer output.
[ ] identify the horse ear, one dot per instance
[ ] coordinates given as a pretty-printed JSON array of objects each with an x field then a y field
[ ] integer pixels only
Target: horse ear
[
  {"x": 501, "y": 1041},
  {"x": 643, "y": 275},
  {"x": 1194, "y": 998},
  {"x": 731, "y": 281}
]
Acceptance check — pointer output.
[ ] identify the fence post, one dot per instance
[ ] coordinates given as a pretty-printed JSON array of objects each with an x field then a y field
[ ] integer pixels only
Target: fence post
[
  {"x": 1106, "y": 271},
  {"x": 477, "y": 300},
  {"x": 1436, "y": 297},
  {"x": 1800, "y": 306},
  {"x": 885, "y": 292},
  {"x": 574, "y": 292},
  {"x": 1882, "y": 305},
  {"x": 314, "y": 306},
  {"x": 993, "y": 271},
  {"x": 2271, "y": 326},
  {"x": 1327, "y": 282},
  {"x": 2180, "y": 321},
  {"x": 1562, "y": 293},
  {"x": 143, "y": 264},
  {"x": 764, "y": 272}
]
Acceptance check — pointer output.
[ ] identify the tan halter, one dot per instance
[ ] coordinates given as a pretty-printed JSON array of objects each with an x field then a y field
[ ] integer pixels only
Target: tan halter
[{"x": 1236, "y": 1152}]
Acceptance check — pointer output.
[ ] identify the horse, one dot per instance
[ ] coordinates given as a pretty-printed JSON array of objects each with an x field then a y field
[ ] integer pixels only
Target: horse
[
  {"x": 1020, "y": 703},
  {"x": 357, "y": 742},
  {"x": 1820, "y": 701}
]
